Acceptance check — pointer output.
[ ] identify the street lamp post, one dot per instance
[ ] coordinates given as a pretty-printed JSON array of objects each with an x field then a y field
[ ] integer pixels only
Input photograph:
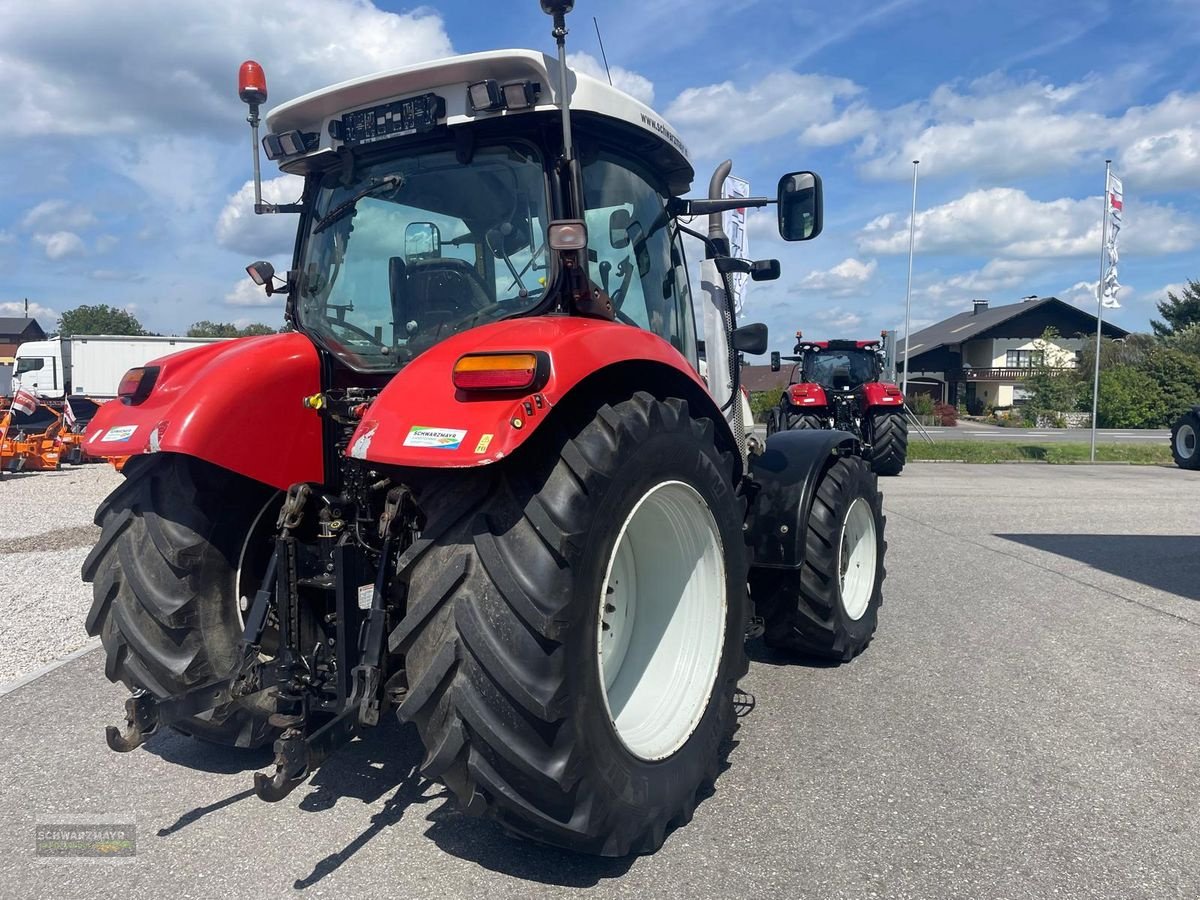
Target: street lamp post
[{"x": 912, "y": 234}]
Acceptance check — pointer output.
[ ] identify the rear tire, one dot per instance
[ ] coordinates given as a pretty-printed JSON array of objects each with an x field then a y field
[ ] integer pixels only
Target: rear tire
[
  {"x": 506, "y": 591},
  {"x": 802, "y": 422},
  {"x": 889, "y": 444},
  {"x": 165, "y": 601},
  {"x": 829, "y": 608},
  {"x": 1184, "y": 444}
]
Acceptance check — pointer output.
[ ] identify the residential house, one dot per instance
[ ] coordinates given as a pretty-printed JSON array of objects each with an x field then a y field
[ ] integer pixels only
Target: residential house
[
  {"x": 982, "y": 357},
  {"x": 14, "y": 331}
]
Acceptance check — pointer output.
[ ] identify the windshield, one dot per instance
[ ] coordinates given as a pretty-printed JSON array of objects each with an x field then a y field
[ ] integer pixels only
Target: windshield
[
  {"x": 820, "y": 366},
  {"x": 415, "y": 249}
]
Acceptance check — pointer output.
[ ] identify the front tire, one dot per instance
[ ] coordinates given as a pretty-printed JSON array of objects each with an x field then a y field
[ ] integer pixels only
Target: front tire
[
  {"x": 829, "y": 608},
  {"x": 164, "y": 585},
  {"x": 1184, "y": 441},
  {"x": 527, "y": 581},
  {"x": 889, "y": 443}
]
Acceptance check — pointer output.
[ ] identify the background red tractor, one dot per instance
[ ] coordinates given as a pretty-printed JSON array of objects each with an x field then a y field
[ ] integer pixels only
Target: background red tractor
[
  {"x": 506, "y": 505},
  {"x": 836, "y": 384}
]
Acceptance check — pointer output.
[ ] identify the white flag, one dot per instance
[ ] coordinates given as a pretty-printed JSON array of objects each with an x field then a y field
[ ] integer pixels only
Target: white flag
[
  {"x": 734, "y": 223},
  {"x": 1115, "y": 198}
]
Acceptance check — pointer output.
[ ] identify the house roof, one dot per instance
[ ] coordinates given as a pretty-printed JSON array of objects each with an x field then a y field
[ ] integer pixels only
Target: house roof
[
  {"x": 761, "y": 378},
  {"x": 17, "y": 325},
  {"x": 1003, "y": 321}
]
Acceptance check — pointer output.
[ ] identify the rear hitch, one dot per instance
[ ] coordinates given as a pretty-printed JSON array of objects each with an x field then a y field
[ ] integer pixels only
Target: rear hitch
[{"x": 141, "y": 721}]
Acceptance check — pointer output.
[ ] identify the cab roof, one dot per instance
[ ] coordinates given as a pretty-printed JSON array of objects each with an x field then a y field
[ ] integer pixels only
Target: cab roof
[{"x": 590, "y": 98}]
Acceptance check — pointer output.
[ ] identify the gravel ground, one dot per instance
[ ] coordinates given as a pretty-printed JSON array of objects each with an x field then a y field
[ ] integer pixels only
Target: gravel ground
[{"x": 48, "y": 532}]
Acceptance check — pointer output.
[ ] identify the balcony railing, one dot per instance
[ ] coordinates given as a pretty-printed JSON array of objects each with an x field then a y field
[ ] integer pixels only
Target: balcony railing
[{"x": 1006, "y": 373}]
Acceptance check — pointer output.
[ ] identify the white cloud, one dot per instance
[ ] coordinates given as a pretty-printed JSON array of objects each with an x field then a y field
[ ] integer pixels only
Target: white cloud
[
  {"x": 240, "y": 230},
  {"x": 720, "y": 116},
  {"x": 1081, "y": 294},
  {"x": 246, "y": 293},
  {"x": 60, "y": 244},
  {"x": 837, "y": 322},
  {"x": 998, "y": 277},
  {"x": 996, "y": 127},
  {"x": 80, "y": 78},
  {"x": 106, "y": 242},
  {"x": 115, "y": 275},
  {"x": 1006, "y": 222},
  {"x": 7, "y": 237},
  {"x": 637, "y": 86},
  {"x": 47, "y": 317},
  {"x": 847, "y": 278},
  {"x": 57, "y": 213}
]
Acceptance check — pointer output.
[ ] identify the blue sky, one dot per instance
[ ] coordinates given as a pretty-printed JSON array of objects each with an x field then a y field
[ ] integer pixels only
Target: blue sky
[{"x": 124, "y": 173}]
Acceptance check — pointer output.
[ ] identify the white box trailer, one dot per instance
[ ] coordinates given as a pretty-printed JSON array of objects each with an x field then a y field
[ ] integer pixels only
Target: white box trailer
[{"x": 91, "y": 365}]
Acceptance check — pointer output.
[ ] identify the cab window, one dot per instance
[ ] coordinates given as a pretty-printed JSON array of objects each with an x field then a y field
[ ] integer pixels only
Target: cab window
[{"x": 633, "y": 256}]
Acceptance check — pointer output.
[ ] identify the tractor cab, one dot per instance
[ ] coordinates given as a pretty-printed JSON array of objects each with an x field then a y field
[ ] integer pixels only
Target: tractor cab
[
  {"x": 839, "y": 365},
  {"x": 449, "y": 195}
]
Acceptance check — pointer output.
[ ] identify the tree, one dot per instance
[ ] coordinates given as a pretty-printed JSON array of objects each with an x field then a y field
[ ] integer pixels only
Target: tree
[
  {"x": 1179, "y": 311},
  {"x": 207, "y": 329},
  {"x": 1053, "y": 387},
  {"x": 99, "y": 319},
  {"x": 1186, "y": 339},
  {"x": 1128, "y": 399},
  {"x": 1176, "y": 376}
]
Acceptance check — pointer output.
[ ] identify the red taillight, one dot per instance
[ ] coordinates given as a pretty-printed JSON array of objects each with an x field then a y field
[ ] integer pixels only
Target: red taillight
[
  {"x": 137, "y": 383},
  {"x": 252, "y": 83},
  {"x": 500, "y": 371}
]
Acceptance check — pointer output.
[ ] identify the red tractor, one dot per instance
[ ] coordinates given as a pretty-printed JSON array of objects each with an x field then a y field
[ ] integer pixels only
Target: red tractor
[
  {"x": 506, "y": 506},
  {"x": 836, "y": 385}
]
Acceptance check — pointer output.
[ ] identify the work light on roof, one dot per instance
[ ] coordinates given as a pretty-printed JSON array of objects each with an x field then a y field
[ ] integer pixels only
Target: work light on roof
[
  {"x": 486, "y": 96},
  {"x": 521, "y": 94}
]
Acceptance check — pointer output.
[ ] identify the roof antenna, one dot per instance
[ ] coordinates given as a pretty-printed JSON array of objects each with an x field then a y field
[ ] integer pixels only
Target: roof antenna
[{"x": 603, "y": 55}]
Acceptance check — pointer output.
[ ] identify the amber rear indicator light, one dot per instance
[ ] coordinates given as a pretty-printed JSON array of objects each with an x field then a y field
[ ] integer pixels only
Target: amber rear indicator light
[
  {"x": 501, "y": 371},
  {"x": 136, "y": 384}
]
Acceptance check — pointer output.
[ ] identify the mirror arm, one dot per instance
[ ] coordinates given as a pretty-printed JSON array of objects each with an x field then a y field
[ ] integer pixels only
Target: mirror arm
[{"x": 678, "y": 206}]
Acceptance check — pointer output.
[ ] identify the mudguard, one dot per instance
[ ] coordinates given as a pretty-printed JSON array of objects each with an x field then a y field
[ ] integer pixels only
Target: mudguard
[
  {"x": 785, "y": 476},
  {"x": 421, "y": 419},
  {"x": 802, "y": 395},
  {"x": 880, "y": 393},
  {"x": 237, "y": 404}
]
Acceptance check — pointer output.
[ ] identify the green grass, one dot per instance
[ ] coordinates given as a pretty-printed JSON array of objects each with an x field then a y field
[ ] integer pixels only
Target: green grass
[{"x": 990, "y": 451}]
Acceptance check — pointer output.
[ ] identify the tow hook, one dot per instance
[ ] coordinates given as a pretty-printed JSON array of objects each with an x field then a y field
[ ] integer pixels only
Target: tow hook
[{"x": 141, "y": 721}]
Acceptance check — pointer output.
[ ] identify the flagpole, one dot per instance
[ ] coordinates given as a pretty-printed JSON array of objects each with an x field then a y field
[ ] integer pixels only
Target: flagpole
[
  {"x": 1100, "y": 308},
  {"x": 912, "y": 233}
]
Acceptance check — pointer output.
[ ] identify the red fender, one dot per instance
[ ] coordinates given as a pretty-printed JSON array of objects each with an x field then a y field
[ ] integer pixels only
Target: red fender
[
  {"x": 880, "y": 393},
  {"x": 237, "y": 404},
  {"x": 421, "y": 419},
  {"x": 807, "y": 395}
]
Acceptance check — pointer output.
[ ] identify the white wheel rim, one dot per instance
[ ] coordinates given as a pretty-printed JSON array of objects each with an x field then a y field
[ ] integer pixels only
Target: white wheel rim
[
  {"x": 857, "y": 554},
  {"x": 1185, "y": 441},
  {"x": 661, "y": 628}
]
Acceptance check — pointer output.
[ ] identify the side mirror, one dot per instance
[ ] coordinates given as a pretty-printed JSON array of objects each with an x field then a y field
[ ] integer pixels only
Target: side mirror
[
  {"x": 775, "y": 367},
  {"x": 750, "y": 338},
  {"x": 618, "y": 228},
  {"x": 764, "y": 270},
  {"x": 422, "y": 240},
  {"x": 800, "y": 206}
]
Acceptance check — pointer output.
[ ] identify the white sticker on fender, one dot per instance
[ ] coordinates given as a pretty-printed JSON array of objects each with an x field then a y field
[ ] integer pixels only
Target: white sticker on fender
[
  {"x": 436, "y": 438},
  {"x": 120, "y": 433},
  {"x": 360, "y": 447}
]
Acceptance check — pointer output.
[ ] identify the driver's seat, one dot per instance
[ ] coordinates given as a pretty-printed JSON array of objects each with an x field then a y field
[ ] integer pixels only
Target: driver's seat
[{"x": 433, "y": 292}]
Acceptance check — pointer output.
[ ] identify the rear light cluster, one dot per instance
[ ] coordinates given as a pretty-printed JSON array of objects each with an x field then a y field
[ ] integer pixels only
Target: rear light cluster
[
  {"x": 137, "y": 384},
  {"x": 501, "y": 371}
]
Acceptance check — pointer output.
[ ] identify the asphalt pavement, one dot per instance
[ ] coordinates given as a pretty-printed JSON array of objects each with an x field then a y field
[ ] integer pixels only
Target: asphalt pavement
[{"x": 1025, "y": 725}]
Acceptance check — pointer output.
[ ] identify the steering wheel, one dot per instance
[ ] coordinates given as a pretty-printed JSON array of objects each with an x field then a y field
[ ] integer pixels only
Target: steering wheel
[{"x": 351, "y": 327}]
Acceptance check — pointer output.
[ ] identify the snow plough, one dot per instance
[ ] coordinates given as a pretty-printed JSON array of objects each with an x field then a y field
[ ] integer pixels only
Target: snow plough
[
  {"x": 506, "y": 507},
  {"x": 839, "y": 385}
]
